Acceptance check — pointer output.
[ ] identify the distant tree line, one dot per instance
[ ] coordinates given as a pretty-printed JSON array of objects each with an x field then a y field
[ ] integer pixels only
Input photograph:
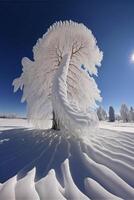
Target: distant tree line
[
  {"x": 126, "y": 114},
  {"x": 10, "y": 116}
]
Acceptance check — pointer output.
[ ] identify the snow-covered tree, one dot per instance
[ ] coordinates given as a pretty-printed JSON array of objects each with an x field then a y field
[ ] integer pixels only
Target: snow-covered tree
[
  {"x": 111, "y": 114},
  {"x": 101, "y": 113},
  {"x": 131, "y": 114},
  {"x": 58, "y": 83},
  {"x": 124, "y": 112}
]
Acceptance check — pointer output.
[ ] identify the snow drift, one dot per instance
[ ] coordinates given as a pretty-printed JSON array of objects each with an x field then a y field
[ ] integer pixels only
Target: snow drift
[{"x": 48, "y": 165}]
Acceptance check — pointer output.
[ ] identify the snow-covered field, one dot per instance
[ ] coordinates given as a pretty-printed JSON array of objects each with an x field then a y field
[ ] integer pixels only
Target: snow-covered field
[
  {"x": 37, "y": 164},
  {"x": 117, "y": 126},
  {"x": 6, "y": 124}
]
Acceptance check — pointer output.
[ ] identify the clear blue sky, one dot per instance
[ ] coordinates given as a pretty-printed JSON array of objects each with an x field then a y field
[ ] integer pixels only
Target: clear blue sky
[{"x": 112, "y": 23}]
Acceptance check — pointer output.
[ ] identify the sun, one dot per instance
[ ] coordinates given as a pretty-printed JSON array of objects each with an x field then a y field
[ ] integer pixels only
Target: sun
[{"x": 132, "y": 58}]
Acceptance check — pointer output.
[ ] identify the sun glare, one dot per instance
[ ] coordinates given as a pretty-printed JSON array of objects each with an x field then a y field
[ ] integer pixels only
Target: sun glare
[{"x": 132, "y": 58}]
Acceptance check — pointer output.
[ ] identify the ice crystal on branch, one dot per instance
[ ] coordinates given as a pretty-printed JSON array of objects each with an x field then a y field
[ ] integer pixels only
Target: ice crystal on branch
[{"x": 36, "y": 81}]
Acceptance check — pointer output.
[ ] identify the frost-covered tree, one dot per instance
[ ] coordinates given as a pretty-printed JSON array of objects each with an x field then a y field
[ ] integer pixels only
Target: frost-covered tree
[
  {"x": 111, "y": 114},
  {"x": 58, "y": 83},
  {"x": 124, "y": 112},
  {"x": 131, "y": 114},
  {"x": 101, "y": 113}
]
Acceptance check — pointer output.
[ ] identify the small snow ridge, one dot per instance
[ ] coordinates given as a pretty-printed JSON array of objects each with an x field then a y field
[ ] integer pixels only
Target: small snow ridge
[{"x": 4, "y": 140}]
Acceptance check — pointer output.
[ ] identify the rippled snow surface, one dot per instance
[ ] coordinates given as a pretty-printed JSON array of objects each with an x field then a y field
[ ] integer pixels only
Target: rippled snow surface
[{"x": 36, "y": 164}]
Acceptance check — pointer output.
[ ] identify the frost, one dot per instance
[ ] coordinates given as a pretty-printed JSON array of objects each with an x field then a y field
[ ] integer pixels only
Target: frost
[{"x": 77, "y": 91}]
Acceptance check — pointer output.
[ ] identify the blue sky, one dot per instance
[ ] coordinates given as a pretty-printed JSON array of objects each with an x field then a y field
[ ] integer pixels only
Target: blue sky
[{"x": 112, "y": 23}]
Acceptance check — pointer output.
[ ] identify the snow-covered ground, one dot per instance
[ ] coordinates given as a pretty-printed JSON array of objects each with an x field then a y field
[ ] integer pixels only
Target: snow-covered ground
[
  {"x": 6, "y": 124},
  {"x": 117, "y": 126},
  {"x": 37, "y": 164}
]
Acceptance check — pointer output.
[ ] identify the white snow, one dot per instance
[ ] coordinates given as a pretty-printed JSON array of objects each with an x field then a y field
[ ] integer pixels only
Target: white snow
[
  {"x": 25, "y": 187},
  {"x": 117, "y": 126},
  {"x": 96, "y": 191},
  {"x": 5, "y": 140},
  {"x": 6, "y": 124},
  {"x": 49, "y": 187},
  {"x": 7, "y": 191},
  {"x": 106, "y": 156}
]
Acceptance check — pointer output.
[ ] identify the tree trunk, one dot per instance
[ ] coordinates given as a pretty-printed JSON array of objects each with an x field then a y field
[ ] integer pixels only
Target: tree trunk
[{"x": 55, "y": 123}]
